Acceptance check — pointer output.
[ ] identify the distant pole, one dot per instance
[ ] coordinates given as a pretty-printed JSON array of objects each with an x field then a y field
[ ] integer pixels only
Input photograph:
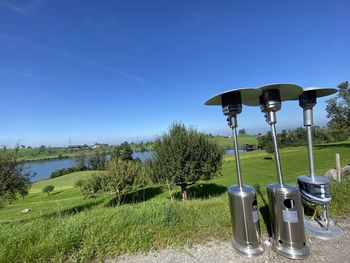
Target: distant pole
[{"x": 338, "y": 167}]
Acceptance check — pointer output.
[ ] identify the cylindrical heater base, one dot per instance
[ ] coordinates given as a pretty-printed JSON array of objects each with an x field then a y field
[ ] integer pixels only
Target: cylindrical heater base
[
  {"x": 287, "y": 221},
  {"x": 245, "y": 220}
]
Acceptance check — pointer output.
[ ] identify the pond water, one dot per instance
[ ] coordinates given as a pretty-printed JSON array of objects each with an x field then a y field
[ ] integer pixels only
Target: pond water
[{"x": 43, "y": 169}]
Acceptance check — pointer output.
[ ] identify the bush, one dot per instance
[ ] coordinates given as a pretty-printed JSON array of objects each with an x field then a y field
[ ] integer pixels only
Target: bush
[
  {"x": 120, "y": 178},
  {"x": 184, "y": 156},
  {"x": 79, "y": 183},
  {"x": 47, "y": 189}
]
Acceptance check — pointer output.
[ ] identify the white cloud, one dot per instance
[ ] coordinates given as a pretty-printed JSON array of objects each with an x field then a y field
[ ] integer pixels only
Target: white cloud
[
  {"x": 20, "y": 6},
  {"x": 68, "y": 55}
]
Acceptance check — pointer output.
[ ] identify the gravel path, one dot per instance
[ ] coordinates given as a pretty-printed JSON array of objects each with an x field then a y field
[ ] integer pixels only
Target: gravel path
[{"x": 337, "y": 250}]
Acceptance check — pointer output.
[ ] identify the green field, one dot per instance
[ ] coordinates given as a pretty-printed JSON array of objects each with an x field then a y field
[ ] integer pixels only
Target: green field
[
  {"x": 35, "y": 154},
  {"x": 65, "y": 227},
  {"x": 242, "y": 140}
]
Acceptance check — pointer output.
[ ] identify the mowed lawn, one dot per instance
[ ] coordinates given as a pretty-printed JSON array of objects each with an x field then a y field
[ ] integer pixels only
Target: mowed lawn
[
  {"x": 242, "y": 140},
  {"x": 65, "y": 227}
]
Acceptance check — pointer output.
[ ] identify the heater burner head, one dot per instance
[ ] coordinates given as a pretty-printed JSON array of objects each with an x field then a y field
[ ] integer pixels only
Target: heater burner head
[
  {"x": 308, "y": 99},
  {"x": 232, "y": 100},
  {"x": 270, "y": 100},
  {"x": 286, "y": 92},
  {"x": 231, "y": 103}
]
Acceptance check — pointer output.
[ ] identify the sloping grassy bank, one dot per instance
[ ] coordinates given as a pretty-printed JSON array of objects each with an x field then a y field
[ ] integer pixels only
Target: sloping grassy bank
[{"x": 105, "y": 232}]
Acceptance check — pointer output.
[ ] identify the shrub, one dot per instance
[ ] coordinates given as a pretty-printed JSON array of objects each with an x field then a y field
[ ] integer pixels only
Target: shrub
[
  {"x": 47, "y": 189},
  {"x": 120, "y": 178},
  {"x": 184, "y": 156},
  {"x": 79, "y": 183}
]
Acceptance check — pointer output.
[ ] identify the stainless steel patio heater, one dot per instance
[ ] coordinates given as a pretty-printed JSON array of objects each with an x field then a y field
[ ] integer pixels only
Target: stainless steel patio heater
[
  {"x": 315, "y": 189},
  {"x": 242, "y": 198},
  {"x": 285, "y": 207}
]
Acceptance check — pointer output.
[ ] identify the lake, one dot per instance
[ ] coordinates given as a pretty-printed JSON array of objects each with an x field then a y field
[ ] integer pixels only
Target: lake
[{"x": 43, "y": 169}]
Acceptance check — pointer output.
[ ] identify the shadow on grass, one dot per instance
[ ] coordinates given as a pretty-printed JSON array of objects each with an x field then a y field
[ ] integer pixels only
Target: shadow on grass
[
  {"x": 332, "y": 145},
  {"x": 74, "y": 210},
  {"x": 31, "y": 196},
  {"x": 55, "y": 193},
  {"x": 264, "y": 210},
  {"x": 141, "y": 195},
  {"x": 203, "y": 191}
]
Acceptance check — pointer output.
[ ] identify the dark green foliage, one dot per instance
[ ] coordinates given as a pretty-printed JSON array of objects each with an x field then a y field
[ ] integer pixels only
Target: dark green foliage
[
  {"x": 64, "y": 171},
  {"x": 338, "y": 109},
  {"x": 241, "y": 132},
  {"x": 292, "y": 138},
  {"x": 79, "y": 183},
  {"x": 14, "y": 179},
  {"x": 184, "y": 156},
  {"x": 98, "y": 160},
  {"x": 122, "y": 152},
  {"x": 47, "y": 189},
  {"x": 120, "y": 178},
  {"x": 81, "y": 164}
]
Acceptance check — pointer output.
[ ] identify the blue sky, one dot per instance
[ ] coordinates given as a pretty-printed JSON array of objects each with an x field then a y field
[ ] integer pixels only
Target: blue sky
[{"x": 108, "y": 71}]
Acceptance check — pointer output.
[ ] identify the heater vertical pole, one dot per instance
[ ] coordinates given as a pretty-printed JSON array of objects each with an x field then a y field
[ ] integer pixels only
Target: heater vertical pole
[
  {"x": 233, "y": 122},
  {"x": 311, "y": 153},
  {"x": 277, "y": 154}
]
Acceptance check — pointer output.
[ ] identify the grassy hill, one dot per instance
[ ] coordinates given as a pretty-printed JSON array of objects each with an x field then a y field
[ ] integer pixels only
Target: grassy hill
[{"x": 65, "y": 227}]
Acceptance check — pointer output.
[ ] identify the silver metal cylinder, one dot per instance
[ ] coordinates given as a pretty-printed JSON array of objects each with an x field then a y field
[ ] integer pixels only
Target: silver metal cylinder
[
  {"x": 245, "y": 220},
  {"x": 308, "y": 117},
  {"x": 287, "y": 221}
]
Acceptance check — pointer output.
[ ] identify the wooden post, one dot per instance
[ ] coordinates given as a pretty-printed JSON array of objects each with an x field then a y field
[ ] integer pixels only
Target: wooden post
[{"x": 338, "y": 167}]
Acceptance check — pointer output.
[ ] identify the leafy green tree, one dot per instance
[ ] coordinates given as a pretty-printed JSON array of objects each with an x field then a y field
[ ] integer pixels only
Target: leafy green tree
[
  {"x": 48, "y": 189},
  {"x": 338, "y": 109},
  {"x": 265, "y": 142},
  {"x": 98, "y": 160},
  {"x": 122, "y": 152},
  {"x": 125, "y": 152},
  {"x": 241, "y": 132},
  {"x": 183, "y": 156},
  {"x": 14, "y": 178},
  {"x": 81, "y": 164}
]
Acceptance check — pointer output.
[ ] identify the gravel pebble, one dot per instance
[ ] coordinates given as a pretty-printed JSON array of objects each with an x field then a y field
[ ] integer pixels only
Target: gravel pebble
[{"x": 337, "y": 250}]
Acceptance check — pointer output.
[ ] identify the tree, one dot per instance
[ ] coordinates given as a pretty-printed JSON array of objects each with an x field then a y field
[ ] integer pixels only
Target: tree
[
  {"x": 183, "y": 156},
  {"x": 47, "y": 189},
  {"x": 241, "y": 132},
  {"x": 98, "y": 160},
  {"x": 14, "y": 178},
  {"x": 338, "y": 109},
  {"x": 125, "y": 152},
  {"x": 80, "y": 164},
  {"x": 122, "y": 152}
]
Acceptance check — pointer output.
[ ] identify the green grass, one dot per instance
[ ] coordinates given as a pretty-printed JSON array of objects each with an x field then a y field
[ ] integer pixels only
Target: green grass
[
  {"x": 242, "y": 140},
  {"x": 65, "y": 227}
]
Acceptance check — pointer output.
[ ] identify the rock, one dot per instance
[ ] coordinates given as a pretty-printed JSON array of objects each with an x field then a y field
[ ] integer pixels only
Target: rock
[
  {"x": 27, "y": 210},
  {"x": 331, "y": 174}
]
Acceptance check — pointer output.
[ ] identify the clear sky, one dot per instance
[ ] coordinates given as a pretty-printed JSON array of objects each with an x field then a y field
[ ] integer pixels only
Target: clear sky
[{"x": 108, "y": 71}]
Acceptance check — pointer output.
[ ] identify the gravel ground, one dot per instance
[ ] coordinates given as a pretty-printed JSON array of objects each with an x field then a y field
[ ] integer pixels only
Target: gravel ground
[{"x": 337, "y": 250}]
